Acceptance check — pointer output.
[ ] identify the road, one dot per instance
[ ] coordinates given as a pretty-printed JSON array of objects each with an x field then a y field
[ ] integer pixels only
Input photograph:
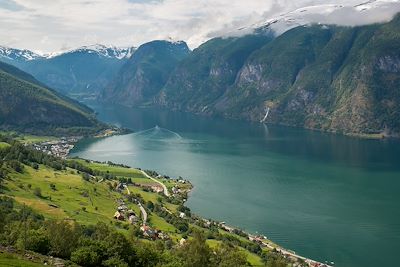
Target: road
[
  {"x": 288, "y": 253},
  {"x": 144, "y": 213},
  {"x": 166, "y": 193},
  {"x": 127, "y": 189}
]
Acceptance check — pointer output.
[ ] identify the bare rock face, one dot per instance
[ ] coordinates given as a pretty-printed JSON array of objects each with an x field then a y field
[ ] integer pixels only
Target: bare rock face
[
  {"x": 145, "y": 73},
  {"x": 249, "y": 74},
  {"x": 389, "y": 63}
]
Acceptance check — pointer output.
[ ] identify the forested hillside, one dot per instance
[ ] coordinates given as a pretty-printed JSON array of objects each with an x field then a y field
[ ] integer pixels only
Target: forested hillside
[
  {"x": 341, "y": 79},
  {"x": 63, "y": 213},
  {"x": 28, "y": 106},
  {"x": 145, "y": 73}
]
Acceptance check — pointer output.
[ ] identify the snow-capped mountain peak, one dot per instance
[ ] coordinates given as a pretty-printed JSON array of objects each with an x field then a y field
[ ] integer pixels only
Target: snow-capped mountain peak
[
  {"x": 101, "y": 50},
  {"x": 347, "y": 13},
  {"x": 18, "y": 54}
]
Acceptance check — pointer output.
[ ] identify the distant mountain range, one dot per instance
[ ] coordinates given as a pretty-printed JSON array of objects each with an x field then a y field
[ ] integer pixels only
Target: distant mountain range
[
  {"x": 26, "y": 105},
  {"x": 319, "y": 76},
  {"x": 85, "y": 70},
  {"x": 143, "y": 76},
  {"x": 341, "y": 79},
  {"x": 346, "y": 13}
]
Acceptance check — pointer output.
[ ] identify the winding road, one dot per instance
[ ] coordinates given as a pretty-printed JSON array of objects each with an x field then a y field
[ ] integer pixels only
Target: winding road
[
  {"x": 166, "y": 193},
  {"x": 143, "y": 212}
]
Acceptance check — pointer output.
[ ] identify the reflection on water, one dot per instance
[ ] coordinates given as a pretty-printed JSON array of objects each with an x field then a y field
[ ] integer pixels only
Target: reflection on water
[{"x": 325, "y": 196}]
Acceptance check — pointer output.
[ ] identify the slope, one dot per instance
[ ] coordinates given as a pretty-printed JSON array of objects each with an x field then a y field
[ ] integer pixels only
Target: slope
[
  {"x": 144, "y": 75},
  {"x": 27, "y": 106}
]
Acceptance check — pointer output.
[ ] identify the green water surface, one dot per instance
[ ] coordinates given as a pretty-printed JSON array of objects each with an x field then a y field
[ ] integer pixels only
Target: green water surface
[{"x": 325, "y": 196}]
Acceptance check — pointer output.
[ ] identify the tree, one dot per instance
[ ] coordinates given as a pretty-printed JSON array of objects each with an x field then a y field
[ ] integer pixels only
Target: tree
[
  {"x": 150, "y": 205},
  {"x": 53, "y": 187},
  {"x": 16, "y": 165},
  {"x": 196, "y": 252},
  {"x": 36, "y": 240},
  {"x": 115, "y": 262},
  {"x": 227, "y": 255},
  {"x": 63, "y": 238},
  {"x": 148, "y": 255},
  {"x": 37, "y": 192},
  {"x": 86, "y": 256}
]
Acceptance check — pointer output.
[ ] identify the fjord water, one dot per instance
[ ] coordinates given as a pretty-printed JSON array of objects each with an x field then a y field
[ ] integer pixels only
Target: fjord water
[{"x": 325, "y": 196}]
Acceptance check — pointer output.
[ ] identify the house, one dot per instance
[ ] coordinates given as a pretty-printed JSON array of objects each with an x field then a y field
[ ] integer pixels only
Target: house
[
  {"x": 175, "y": 190},
  {"x": 119, "y": 216},
  {"x": 148, "y": 232},
  {"x": 120, "y": 187},
  {"x": 157, "y": 188},
  {"x": 182, "y": 215},
  {"x": 122, "y": 207},
  {"x": 162, "y": 236},
  {"x": 182, "y": 242},
  {"x": 207, "y": 223},
  {"x": 133, "y": 219}
]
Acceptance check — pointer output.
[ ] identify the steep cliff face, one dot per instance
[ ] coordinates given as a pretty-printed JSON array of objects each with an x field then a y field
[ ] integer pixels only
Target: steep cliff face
[
  {"x": 204, "y": 76},
  {"x": 143, "y": 76},
  {"x": 342, "y": 79}
]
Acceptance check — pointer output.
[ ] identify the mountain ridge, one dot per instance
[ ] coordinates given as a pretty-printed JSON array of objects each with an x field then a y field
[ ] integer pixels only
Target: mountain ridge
[
  {"x": 141, "y": 78},
  {"x": 323, "y": 77},
  {"x": 28, "y": 106},
  {"x": 85, "y": 70}
]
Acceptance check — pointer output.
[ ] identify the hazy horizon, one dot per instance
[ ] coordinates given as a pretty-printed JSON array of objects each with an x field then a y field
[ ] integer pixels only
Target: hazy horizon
[{"x": 46, "y": 26}]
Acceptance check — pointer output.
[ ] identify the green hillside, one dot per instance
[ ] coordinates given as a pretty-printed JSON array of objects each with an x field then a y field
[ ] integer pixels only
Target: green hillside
[
  {"x": 145, "y": 73},
  {"x": 340, "y": 79},
  {"x": 65, "y": 209},
  {"x": 207, "y": 73},
  {"x": 28, "y": 106}
]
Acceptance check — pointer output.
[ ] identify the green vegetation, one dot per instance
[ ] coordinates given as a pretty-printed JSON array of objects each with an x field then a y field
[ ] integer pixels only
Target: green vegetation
[
  {"x": 72, "y": 72},
  {"x": 143, "y": 76},
  {"x": 209, "y": 71},
  {"x": 3, "y": 145},
  {"x": 15, "y": 260},
  {"x": 327, "y": 78},
  {"x": 339, "y": 79},
  {"x": 28, "y": 106},
  {"x": 77, "y": 198},
  {"x": 117, "y": 170}
]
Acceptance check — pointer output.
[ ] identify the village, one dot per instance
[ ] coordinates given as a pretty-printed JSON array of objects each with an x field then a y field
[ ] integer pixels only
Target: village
[
  {"x": 58, "y": 148},
  {"x": 180, "y": 191},
  {"x": 123, "y": 213}
]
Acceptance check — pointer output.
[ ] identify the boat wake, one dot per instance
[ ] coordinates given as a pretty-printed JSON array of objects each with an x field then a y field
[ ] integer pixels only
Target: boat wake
[{"x": 158, "y": 133}]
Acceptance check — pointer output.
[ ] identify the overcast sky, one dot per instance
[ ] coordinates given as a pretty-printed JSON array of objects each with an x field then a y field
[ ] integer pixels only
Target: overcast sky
[{"x": 54, "y": 25}]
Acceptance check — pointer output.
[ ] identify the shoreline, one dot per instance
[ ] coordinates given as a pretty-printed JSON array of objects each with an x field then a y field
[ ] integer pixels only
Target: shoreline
[{"x": 261, "y": 240}]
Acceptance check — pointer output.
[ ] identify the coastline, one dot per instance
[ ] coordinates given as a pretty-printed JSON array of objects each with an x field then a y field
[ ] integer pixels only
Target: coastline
[{"x": 261, "y": 240}]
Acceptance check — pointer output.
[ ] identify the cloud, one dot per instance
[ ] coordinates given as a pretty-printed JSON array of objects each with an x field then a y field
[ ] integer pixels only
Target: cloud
[
  {"x": 52, "y": 25},
  {"x": 10, "y": 5}
]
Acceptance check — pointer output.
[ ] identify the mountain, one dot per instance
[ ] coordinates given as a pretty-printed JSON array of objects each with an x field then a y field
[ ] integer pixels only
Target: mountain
[
  {"x": 341, "y": 79},
  {"x": 85, "y": 70},
  {"x": 145, "y": 73},
  {"x": 27, "y": 105},
  {"x": 11, "y": 54},
  {"x": 347, "y": 13},
  {"x": 204, "y": 76}
]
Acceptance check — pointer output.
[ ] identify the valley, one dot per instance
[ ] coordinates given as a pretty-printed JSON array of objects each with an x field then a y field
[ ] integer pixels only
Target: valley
[
  {"x": 89, "y": 193},
  {"x": 210, "y": 134}
]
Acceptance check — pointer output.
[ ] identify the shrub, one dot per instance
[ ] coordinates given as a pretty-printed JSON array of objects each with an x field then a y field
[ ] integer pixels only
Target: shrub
[{"x": 37, "y": 192}]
